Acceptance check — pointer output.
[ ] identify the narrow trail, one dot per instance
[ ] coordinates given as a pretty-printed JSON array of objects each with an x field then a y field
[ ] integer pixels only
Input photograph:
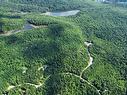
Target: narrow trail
[
  {"x": 24, "y": 69},
  {"x": 83, "y": 81},
  {"x": 42, "y": 67},
  {"x": 11, "y": 87},
  {"x": 89, "y": 64},
  {"x": 90, "y": 58},
  {"x": 11, "y": 32}
]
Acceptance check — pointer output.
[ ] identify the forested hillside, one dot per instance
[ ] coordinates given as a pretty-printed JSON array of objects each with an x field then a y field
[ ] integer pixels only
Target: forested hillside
[
  {"x": 42, "y": 5},
  {"x": 82, "y": 54}
]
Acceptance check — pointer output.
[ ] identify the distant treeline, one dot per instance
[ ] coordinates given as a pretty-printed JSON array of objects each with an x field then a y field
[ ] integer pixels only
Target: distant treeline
[{"x": 42, "y": 5}]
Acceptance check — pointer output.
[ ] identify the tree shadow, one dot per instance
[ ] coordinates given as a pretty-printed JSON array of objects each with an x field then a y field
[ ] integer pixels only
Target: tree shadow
[
  {"x": 53, "y": 85},
  {"x": 13, "y": 40},
  {"x": 10, "y": 16},
  {"x": 56, "y": 30},
  {"x": 45, "y": 49},
  {"x": 49, "y": 51},
  {"x": 39, "y": 50},
  {"x": 1, "y": 25}
]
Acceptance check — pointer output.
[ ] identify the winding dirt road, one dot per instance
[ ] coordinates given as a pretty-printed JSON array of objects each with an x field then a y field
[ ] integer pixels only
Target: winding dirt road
[
  {"x": 89, "y": 64},
  {"x": 11, "y": 87},
  {"x": 90, "y": 58}
]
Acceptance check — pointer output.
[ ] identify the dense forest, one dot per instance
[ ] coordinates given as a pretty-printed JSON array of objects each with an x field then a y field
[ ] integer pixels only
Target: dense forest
[
  {"x": 42, "y": 5},
  {"x": 82, "y": 54}
]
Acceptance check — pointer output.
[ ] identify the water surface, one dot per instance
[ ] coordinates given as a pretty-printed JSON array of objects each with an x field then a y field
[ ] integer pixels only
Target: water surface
[
  {"x": 64, "y": 13},
  {"x": 28, "y": 27}
]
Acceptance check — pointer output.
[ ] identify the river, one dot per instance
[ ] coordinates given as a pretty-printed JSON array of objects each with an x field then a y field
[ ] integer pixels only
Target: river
[{"x": 64, "y": 13}]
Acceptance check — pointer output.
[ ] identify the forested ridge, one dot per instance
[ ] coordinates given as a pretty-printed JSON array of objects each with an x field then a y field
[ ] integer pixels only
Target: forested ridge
[{"x": 83, "y": 54}]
